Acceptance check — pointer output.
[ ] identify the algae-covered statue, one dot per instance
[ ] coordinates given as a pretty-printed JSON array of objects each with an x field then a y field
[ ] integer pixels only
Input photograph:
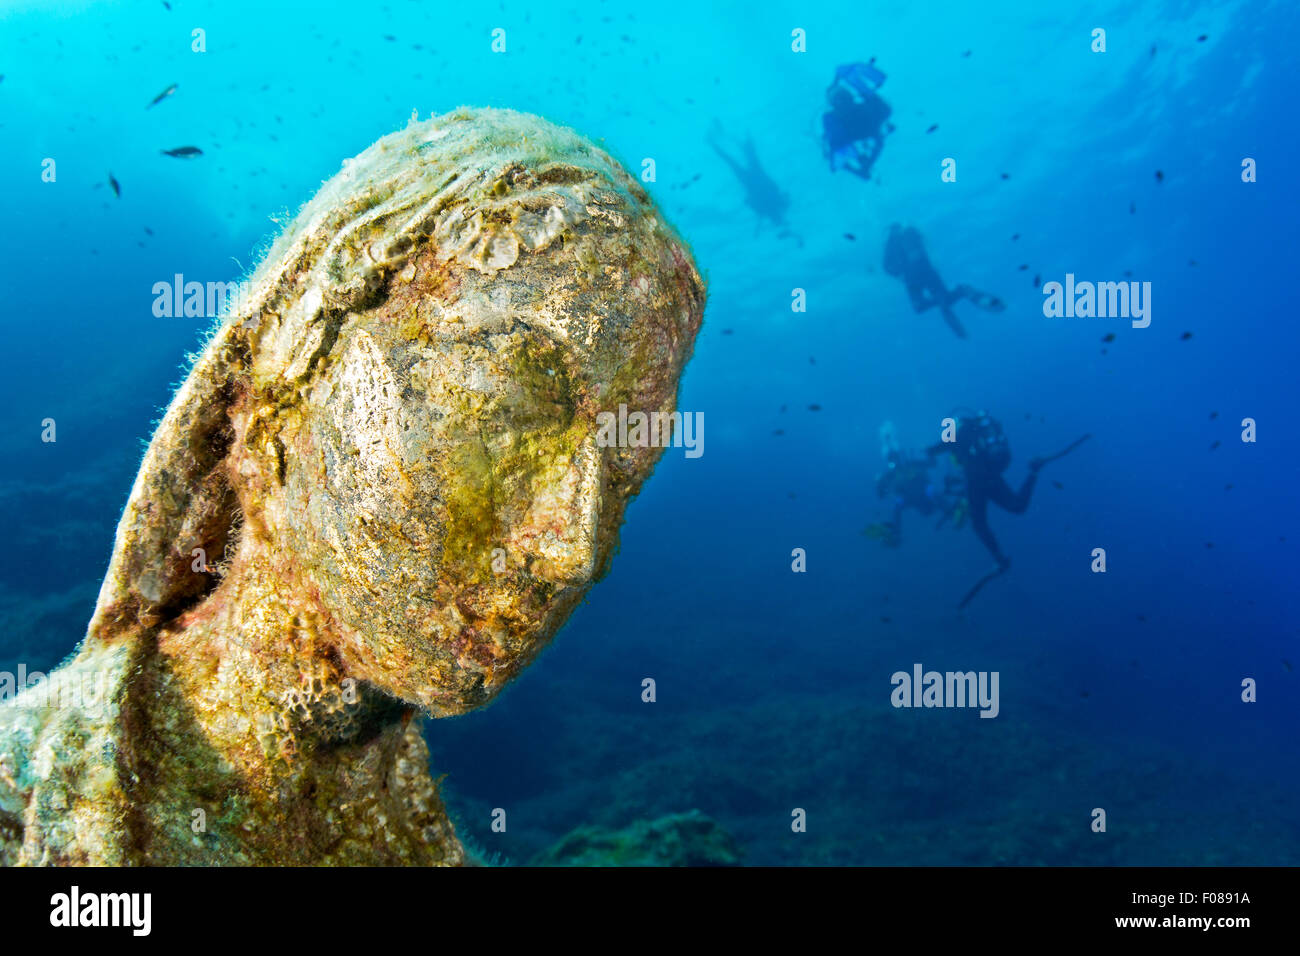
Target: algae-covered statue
[{"x": 378, "y": 493}]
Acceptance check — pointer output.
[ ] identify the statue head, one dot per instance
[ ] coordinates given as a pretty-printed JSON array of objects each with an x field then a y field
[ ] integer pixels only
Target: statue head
[{"x": 395, "y": 428}]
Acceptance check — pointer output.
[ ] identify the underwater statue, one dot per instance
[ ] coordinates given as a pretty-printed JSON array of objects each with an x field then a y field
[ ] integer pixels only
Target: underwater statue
[{"x": 378, "y": 494}]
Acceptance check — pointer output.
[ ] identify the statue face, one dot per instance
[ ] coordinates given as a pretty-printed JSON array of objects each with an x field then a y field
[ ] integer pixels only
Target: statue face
[
  {"x": 395, "y": 431},
  {"x": 444, "y": 492}
]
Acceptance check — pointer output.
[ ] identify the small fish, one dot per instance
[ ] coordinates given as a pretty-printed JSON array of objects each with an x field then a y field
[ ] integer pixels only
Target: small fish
[
  {"x": 1006, "y": 176},
  {"x": 148, "y": 231},
  {"x": 1160, "y": 176},
  {"x": 884, "y": 620},
  {"x": 1209, "y": 544},
  {"x": 1142, "y": 618},
  {"x": 390, "y": 38},
  {"x": 1153, "y": 49},
  {"x": 1228, "y": 486},
  {"x": 1185, "y": 336},
  {"x": 1024, "y": 266},
  {"x": 1105, "y": 351},
  {"x": 182, "y": 152},
  {"x": 783, "y": 407},
  {"x": 814, "y": 408},
  {"x": 727, "y": 331},
  {"x": 1215, "y": 444},
  {"x": 115, "y": 186},
  {"x": 967, "y": 53},
  {"x": 1015, "y": 236},
  {"x": 162, "y": 96},
  {"x": 1213, "y": 415},
  {"x": 166, "y": 4},
  {"x": 933, "y": 128},
  {"x": 1191, "y": 262},
  {"x": 1057, "y": 485},
  {"x": 1132, "y": 208},
  {"x": 811, "y": 360},
  {"x": 1037, "y": 280},
  {"x": 1202, "y": 38},
  {"x": 1287, "y": 664},
  {"x": 1128, "y": 273},
  {"x": 1083, "y": 693},
  {"x": 850, "y": 237},
  {"x": 1108, "y": 337},
  {"x": 2, "y": 77},
  {"x": 778, "y": 431}
]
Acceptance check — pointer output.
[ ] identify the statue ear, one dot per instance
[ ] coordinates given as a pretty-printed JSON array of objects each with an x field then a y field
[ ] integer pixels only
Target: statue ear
[{"x": 182, "y": 512}]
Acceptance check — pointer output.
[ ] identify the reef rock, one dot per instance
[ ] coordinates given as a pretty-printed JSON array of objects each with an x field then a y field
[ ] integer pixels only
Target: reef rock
[
  {"x": 377, "y": 494},
  {"x": 680, "y": 839}
]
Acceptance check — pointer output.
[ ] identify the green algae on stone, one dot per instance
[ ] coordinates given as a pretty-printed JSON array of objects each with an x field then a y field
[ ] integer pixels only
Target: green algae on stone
[{"x": 387, "y": 452}]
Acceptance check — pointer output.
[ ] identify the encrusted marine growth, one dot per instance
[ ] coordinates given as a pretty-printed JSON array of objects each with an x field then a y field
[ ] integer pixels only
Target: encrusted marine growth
[{"x": 378, "y": 493}]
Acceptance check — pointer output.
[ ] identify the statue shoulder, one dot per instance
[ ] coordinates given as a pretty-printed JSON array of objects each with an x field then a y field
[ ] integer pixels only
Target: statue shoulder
[{"x": 60, "y": 798}]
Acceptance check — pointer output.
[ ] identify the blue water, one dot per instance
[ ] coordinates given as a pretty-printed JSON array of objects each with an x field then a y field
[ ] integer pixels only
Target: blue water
[{"x": 1119, "y": 690}]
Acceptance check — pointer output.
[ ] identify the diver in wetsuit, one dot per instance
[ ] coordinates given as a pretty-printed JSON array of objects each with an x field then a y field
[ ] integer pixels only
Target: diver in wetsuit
[
  {"x": 907, "y": 483},
  {"x": 762, "y": 194},
  {"x": 983, "y": 452},
  {"x": 854, "y": 128},
  {"x": 905, "y": 258}
]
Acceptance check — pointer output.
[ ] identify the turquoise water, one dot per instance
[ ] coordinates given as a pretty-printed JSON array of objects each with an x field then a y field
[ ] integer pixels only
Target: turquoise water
[{"x": 1119, "y": 690}]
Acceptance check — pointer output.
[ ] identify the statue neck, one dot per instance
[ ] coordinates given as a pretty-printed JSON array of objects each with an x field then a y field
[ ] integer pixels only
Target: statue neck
[{"x": 242, "y": 710}]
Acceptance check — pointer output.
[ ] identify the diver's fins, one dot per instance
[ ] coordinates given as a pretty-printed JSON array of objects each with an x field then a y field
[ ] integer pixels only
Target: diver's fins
[
  {"x": 970, "y": 595},
  {"x": 886, "y": 532},
  {"x": 981, "y": 300},
  {"x": 951, "y": 318}
]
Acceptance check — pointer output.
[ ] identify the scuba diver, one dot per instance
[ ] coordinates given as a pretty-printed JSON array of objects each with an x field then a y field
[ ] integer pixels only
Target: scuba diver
[
  {"x": 854, "y": 128},
  {"x": 907, "y": 483},
  {"x": 905, "y": 258},
  {"x": 762, "y": 194},
  {"x": 983, "y": 452}
]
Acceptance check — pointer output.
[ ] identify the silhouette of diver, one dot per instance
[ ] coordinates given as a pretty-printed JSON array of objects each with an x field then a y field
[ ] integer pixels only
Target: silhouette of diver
[
  {"x": 905, "y": 258},
  {"x": 854, "y": 128},
  {"x": 983, "y": 452},
  {"x": 762, "y": 194},
  {"x": 907, "y": 483}
]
